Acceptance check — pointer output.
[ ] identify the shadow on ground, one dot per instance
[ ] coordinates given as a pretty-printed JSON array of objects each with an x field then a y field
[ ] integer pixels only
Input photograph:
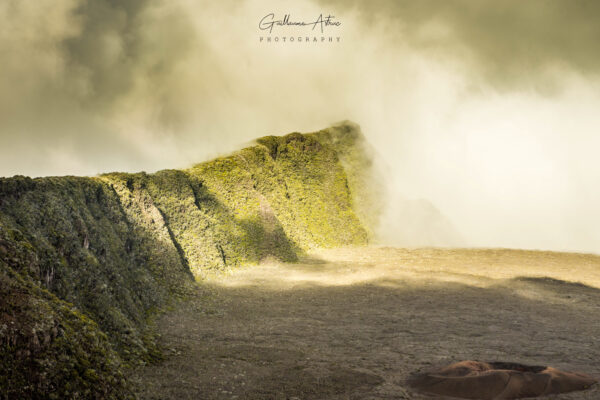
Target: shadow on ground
[{"x": 357, "y": 328}]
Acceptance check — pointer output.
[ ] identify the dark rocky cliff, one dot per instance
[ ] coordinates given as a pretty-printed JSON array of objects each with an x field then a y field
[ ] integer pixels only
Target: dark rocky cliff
[{"x": 86, "y": 262}]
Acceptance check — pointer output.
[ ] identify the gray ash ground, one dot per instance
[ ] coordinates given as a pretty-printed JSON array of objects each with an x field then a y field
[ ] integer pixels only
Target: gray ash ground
[{"x": 356, "y": 323}]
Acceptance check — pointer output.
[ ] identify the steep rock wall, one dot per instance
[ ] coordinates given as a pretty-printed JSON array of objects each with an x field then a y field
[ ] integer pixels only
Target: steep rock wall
[{"x": 84, "y": 262}]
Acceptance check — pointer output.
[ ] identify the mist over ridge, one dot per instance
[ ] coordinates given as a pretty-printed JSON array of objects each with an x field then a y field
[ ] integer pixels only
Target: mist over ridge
[{"x": 485, "y": 111}]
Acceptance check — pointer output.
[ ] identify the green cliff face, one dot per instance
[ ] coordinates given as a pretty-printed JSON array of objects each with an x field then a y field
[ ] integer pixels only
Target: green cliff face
[{"x": 85, "y": 262}]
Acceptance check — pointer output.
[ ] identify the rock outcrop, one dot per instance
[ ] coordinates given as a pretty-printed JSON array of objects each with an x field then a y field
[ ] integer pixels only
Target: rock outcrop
[{"x": 86, "y": 261}]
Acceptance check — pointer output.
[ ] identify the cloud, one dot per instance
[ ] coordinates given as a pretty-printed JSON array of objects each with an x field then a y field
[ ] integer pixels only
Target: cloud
[
  {"x": 509, "y": 44},
  {"x": 80, "y": 74},
  {"x": 485, "y": 110}
]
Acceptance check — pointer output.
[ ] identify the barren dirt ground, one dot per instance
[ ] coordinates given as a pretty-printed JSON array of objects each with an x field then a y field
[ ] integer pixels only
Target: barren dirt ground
[{"x": 354, "y": 323}]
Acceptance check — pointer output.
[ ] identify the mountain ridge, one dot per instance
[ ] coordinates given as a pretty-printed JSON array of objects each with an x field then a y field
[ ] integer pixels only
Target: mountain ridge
[{"x": 102, "y": 254}]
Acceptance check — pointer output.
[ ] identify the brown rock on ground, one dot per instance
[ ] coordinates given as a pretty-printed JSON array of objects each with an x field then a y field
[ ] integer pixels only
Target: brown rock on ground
[{"x": 498, "y": 380}]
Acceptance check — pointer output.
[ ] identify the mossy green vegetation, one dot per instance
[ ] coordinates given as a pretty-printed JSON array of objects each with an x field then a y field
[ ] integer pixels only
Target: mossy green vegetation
[
  {"x": 49, "y": 349},
  {"x": 85, "y": 262},
  {"x": 357, "y": 158}
]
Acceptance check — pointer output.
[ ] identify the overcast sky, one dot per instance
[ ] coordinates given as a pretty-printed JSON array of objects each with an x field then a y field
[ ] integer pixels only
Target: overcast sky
[{"x": 486, "y": 109}]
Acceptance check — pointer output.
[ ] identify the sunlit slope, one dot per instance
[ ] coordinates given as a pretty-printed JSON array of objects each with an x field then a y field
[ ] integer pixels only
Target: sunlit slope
[
  {"x": 388, "y": 266},
  {"x": 118, "y": 247}
]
